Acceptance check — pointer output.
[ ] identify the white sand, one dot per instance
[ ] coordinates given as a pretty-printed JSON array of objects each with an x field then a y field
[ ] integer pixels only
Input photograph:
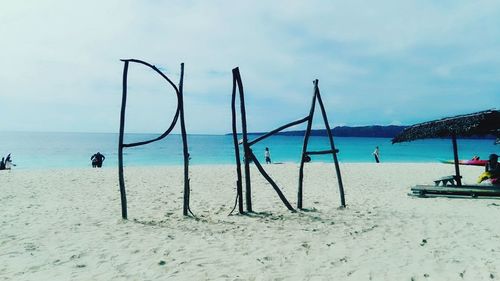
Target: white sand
[{"x": 66, "y": 225}]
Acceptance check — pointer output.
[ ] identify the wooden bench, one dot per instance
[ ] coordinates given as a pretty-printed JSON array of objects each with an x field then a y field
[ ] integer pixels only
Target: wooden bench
[
  {"x": 452, "y": 180},
  {"x": 473, "y": 191}
]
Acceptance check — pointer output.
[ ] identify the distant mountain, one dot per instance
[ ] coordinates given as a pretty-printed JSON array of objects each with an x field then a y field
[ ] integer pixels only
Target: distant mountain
[
  {"x": 374, "y": 131},
  {"x": 362, "y": 131},
  {"x": 345, "y": 131}
]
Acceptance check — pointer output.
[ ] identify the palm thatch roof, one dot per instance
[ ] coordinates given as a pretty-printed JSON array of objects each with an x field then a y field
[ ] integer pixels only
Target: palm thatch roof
[{"x": 480, "y": 123}]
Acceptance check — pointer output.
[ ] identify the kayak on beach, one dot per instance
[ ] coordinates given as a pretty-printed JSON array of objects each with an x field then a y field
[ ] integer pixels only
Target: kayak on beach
[{"x": 467, "y": 162}]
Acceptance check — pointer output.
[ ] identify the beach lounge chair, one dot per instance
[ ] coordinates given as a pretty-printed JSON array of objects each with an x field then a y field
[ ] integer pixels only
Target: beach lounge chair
[{"x": 472, "y": 191}]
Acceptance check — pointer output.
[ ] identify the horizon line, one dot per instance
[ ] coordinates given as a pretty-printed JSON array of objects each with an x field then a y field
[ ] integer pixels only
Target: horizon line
[{"x": 205, "y": 134}]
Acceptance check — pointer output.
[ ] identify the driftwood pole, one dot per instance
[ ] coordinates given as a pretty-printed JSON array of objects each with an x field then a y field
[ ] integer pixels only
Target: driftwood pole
[
  {"x": 250, "y": 156},
  {"x": 121, "y": 179},
  {"x": 246, "y": 148},
  {"x": 455, "y": 156},
  {"x": 304, "y": 151},
  {"x": 266, "y": 135},
  {"x": 185, "y": 150},
  {"x": 273, "y": 184},
  {"x": 332, "y": 145},
  {"x": 239, "y": 187},
  {"x": 179, "y": 112}
]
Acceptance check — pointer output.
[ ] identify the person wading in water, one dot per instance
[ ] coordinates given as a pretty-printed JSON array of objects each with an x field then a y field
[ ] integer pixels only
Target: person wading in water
[{"x": 97, "y": 160}]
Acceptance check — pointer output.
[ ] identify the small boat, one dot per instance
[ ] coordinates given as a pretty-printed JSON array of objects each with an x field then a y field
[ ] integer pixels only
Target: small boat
[{"x": 467, "y": 162}]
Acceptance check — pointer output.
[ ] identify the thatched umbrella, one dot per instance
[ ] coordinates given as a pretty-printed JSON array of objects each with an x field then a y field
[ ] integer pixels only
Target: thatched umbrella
[{"x": 480, "y": 123}]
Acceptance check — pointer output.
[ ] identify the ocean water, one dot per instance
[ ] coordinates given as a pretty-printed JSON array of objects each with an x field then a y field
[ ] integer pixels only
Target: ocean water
[{"x": 60, "y": 150}]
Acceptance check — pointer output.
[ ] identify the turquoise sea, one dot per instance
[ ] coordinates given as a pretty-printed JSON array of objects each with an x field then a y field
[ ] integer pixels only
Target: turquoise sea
[{"x": 59, "y": 150}]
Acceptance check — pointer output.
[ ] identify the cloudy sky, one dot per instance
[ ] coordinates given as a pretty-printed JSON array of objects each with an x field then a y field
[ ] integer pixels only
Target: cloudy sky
[{"x": 378, "y": 62}]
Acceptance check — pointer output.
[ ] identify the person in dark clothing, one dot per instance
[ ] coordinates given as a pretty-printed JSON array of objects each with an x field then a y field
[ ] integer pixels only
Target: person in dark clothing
[
  {"x": 376, "y": 154},
  {"x": 97, "y": 160},
  {"x": 8, "y": 163},
  {"x": 493, "y": 166},
  {"x": 93, "y": 158},
  {"x": 267, "y": 155},
  {"x": 2, "y": 164}
]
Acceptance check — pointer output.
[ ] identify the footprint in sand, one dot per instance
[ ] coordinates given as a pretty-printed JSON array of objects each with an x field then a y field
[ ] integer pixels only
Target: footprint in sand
[
  {"x": 30, "y": 247},
  {"x": 264, "y": 259},
  {"x": 307, "y": 247}
]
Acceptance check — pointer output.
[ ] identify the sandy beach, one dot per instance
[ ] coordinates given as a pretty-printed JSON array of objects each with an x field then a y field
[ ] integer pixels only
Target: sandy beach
[{"x": 65, "y": 224}]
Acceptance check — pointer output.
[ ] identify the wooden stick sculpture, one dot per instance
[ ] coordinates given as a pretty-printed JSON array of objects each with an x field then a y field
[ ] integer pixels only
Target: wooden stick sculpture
[
  {"x": 333, "y": 151},
  {"x": 248, "y": 154},
  {"x": 179, "y": 112}
]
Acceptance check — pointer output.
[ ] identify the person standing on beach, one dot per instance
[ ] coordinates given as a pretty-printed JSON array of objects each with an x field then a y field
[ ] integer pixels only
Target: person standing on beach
[
  {"x": 2, "y": 164},
  {"x": 97, "y": 160},
  {"x": 376, "y": 153},
  {"x": 93, "y": 158},
  {"x": 267, "y": 155}
]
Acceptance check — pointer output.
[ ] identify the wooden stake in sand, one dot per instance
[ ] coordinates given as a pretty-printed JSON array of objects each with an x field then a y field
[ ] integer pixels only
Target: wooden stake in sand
[
  {"x": 179, "y": 112},
  {"x": 250, "y": 157},
  {"x": 333, "y": 150}
]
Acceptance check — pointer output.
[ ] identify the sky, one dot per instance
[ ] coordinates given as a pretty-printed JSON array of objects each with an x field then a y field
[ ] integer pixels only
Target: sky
[{"x": 378, "y": 62}]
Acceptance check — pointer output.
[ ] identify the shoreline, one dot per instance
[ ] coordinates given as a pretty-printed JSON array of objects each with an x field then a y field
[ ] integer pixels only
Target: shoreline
[{"x": 20, "y": 168}]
